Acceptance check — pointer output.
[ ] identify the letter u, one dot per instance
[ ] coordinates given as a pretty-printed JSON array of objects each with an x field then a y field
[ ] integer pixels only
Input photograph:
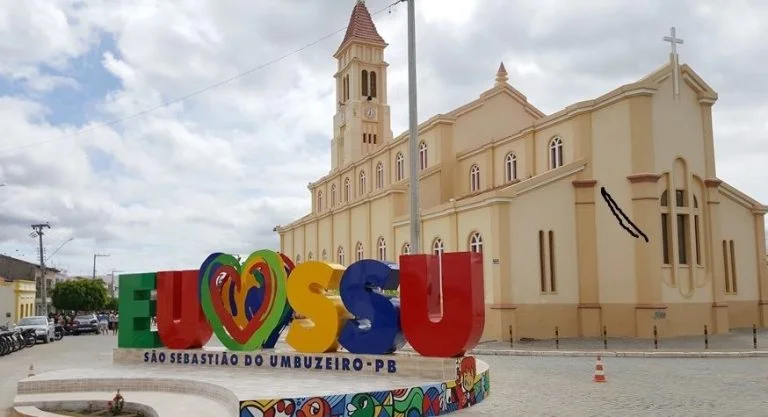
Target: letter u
[
  {"x": 460, "y": 326},
  {"x": 181, "y": 323}
]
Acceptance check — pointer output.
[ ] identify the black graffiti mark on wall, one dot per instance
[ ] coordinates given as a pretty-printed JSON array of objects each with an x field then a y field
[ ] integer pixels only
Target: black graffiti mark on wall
[{"x": 632, "y": 229}]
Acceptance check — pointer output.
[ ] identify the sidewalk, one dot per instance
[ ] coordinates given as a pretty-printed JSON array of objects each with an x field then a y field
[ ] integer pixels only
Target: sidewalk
[{"x": 738, "y": 343}]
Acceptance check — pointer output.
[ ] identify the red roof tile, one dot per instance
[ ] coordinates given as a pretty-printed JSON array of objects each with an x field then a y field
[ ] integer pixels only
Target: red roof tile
[{"x": 361, "y": 27}]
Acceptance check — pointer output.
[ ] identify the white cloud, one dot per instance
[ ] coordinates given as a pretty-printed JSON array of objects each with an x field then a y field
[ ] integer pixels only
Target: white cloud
[{"x": 219, "y": 170}]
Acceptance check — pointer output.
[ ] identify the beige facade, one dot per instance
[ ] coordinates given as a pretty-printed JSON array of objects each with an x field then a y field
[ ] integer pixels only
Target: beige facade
[
  {"x": 17, "y": 300},
  {"x": 552, "y": 201}
]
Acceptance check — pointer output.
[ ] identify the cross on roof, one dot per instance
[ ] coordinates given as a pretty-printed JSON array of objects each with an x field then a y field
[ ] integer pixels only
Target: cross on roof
[{"x": 673, "y": 40}]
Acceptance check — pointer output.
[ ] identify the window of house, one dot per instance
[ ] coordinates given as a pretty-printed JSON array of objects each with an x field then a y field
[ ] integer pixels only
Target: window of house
[
  {"x": 359, "y": 251},
  {"x": 685, "y": 219},
  {"x": 324, "y": 255},
  {"x": 319, "y": 201},
  {"x": 340, "y": 255},
  {"x": 474, "y": 178},
  {"x": 437, "y": 247},
  {"x": 373, "y": 84},
  {"x": 346, "y": 189},
  {"x": 333, "y": 195},
  {"x": 422, "y": 156},
  {"x": 476, "y": 243},
  {"x": 364, "y": 80},
  {"x": 556, "y": 153},
  {"x": 399, "y": 166},
  {"x": 406, "y": 249},
  {"x": 510, "y": 167},
  {"x": 547, "y": 269},
  {"x": 309, "y": 256},
  {"x": 381, "y": 246},
  {"x": 361, "y": 185},
  {"x": 379, "y": 176},
  {"x": 729, "y": 265},
  {"x": 298, "y": 258}
]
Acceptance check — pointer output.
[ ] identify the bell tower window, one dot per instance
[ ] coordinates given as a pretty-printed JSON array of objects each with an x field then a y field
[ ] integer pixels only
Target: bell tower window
[
  {"x": 373, "y": 84},
  {"x": 364, "y": 80}
]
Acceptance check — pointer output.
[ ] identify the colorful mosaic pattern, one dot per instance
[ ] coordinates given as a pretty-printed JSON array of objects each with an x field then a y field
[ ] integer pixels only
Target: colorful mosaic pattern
[{"x": 466, "y": 390}]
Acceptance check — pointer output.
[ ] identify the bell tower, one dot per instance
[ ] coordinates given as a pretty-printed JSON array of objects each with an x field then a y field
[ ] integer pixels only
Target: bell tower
[{"x": 362, "y": 120}]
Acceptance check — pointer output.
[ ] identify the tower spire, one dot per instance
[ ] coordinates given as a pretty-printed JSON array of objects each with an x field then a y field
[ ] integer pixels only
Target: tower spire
[
  {"x": 501, "y": 75},
  {"x": 361, "y": 27}
]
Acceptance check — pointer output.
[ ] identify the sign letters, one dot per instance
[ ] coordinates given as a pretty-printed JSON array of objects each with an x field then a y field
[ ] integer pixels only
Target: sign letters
[{"x": 250, "y": 304}]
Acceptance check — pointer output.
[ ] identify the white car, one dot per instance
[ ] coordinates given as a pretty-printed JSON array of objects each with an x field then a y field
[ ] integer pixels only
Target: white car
[{"x": 44, "y": 329}]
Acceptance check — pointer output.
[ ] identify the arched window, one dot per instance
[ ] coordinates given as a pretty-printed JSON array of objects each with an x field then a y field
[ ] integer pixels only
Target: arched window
[
  {"x": 333, "y": 195},
  {"x": 373, "y": 84},
  {"x": 399, "y": 166},
  {"x": 679, "y": 221},
  {"x": 476, "y": 243},
  {"x": 361, "y": 186},
  {"x": 381, "y": 247},
  {"x": 324, "y": 255},
  {"x": 437, "y": 247},
  {"x": 345, "y": 82},
  {"x": 406, "y": 249},
  {"x": 309, "y": 256},
  {"x": 474, "y": 178},
  {"x": 422, "y": 155},
  {"x": 298, "y": 258},
  {"x": 510, "y": 167},
  {"x": 379, "y": 176},
  {"x": 340, "y": 255},
  {"x": 346, "y": 189},
  {"x": 359, "y": 251},
  {"x": 556, "y": 153},
  {"x": 319, "y": 201},
  {"x": 364, "y": 79}
]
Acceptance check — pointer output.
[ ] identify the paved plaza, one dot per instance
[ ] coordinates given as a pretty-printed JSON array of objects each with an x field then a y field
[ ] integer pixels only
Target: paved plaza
[{"x": 530, "y": 386}]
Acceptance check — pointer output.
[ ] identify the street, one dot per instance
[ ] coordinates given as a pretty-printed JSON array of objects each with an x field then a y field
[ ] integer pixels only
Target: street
[{"x": 530, "y": 386}]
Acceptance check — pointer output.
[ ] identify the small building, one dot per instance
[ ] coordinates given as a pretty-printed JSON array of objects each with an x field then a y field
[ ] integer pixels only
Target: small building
[
  {"x": 14, "y": 269},
  {"x": 17, "y": 299}
]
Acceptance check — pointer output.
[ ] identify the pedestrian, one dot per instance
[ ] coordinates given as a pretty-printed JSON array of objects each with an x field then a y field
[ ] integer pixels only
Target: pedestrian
[
  {"x": 113, "y": 322},
  {"x": 103, "y": 324}
]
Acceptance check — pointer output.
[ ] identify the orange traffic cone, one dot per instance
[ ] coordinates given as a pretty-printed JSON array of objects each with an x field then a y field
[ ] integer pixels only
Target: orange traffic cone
[{"x": 599, "y": 374}]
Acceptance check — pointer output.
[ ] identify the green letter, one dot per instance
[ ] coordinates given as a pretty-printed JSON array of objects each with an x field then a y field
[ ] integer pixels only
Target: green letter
[{"x": 136, "y": 310}]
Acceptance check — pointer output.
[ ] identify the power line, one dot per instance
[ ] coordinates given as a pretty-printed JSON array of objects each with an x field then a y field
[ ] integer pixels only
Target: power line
[{"x": 192, "y": 94}]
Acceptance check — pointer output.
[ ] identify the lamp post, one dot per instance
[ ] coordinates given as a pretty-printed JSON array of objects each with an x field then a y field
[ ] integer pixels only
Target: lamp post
[
  {"x": 413, "y": 131},
  {"x": 97, "y": 255},
  {"x": 112, "y": 283}
]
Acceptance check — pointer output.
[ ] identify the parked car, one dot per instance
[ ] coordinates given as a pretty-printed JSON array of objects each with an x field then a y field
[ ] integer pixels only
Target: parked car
[
  {"x": 85, "y": 323},
  {"x": 44, "y": 328}
]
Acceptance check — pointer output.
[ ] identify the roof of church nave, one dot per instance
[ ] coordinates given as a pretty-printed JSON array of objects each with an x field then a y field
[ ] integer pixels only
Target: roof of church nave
[{"x": 361, "y": 27}]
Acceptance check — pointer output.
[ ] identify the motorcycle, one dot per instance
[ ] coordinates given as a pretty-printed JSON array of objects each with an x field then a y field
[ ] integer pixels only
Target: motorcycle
[
  {"x": 29, "y": 337},
  {"x": 59, "y": 332}
]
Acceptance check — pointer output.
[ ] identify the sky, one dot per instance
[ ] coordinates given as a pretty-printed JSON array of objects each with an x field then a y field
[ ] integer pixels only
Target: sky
[{"x": 217, "y": 171}]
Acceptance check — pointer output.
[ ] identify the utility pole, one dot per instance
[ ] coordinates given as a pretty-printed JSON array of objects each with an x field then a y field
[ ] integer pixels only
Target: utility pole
[
  {"x": 112, "y": 283},
  {"x": 413, "y": 131},
  {"x": 97, "y": 255},
  {"x": 38, "y": 231}
]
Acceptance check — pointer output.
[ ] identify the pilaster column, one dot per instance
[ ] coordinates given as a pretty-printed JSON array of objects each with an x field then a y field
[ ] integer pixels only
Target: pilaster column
[
  {"x": 589, "y": 310},
  {"x": 501, "y": 272},
  {"x": 714, "y": 251},
  {"x": 762, "y": 268},
  {"x": 646, "y": 215},
  {"x": 709, "y": 141}
]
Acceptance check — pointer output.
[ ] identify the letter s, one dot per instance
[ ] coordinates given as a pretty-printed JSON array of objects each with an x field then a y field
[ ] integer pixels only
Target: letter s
[
  {"x": 375, "y": 330},
  {"x": 325, "y": 316}
]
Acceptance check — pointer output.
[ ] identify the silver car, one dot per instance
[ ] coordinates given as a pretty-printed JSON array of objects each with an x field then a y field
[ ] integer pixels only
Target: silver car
[{"x": 44, "y": 329}]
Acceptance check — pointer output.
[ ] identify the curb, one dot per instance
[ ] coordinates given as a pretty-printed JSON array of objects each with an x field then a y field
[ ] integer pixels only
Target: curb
[
  {"x": 615, "y": 354},
  {"x": 621, "y": 354}
]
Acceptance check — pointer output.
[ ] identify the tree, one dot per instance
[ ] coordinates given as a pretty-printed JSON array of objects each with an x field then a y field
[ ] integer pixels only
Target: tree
[
  {"x": 111, "y": 304},
  {"x": 80, "y": 294}
]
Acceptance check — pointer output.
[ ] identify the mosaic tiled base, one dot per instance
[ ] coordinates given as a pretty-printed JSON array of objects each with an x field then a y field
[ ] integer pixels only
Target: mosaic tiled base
[
  {"x": 398, "y": 364},
  {"x": 260, "y": 392}
]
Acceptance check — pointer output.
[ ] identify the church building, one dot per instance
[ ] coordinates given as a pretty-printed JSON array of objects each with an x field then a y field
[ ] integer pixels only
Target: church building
[{"x": 607, "y": 214}]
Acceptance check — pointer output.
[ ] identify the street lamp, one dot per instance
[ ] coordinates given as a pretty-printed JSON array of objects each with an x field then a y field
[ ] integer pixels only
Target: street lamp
[
  {"x": 413, "y": 131},
  {"x": 97, "y": 255}
]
